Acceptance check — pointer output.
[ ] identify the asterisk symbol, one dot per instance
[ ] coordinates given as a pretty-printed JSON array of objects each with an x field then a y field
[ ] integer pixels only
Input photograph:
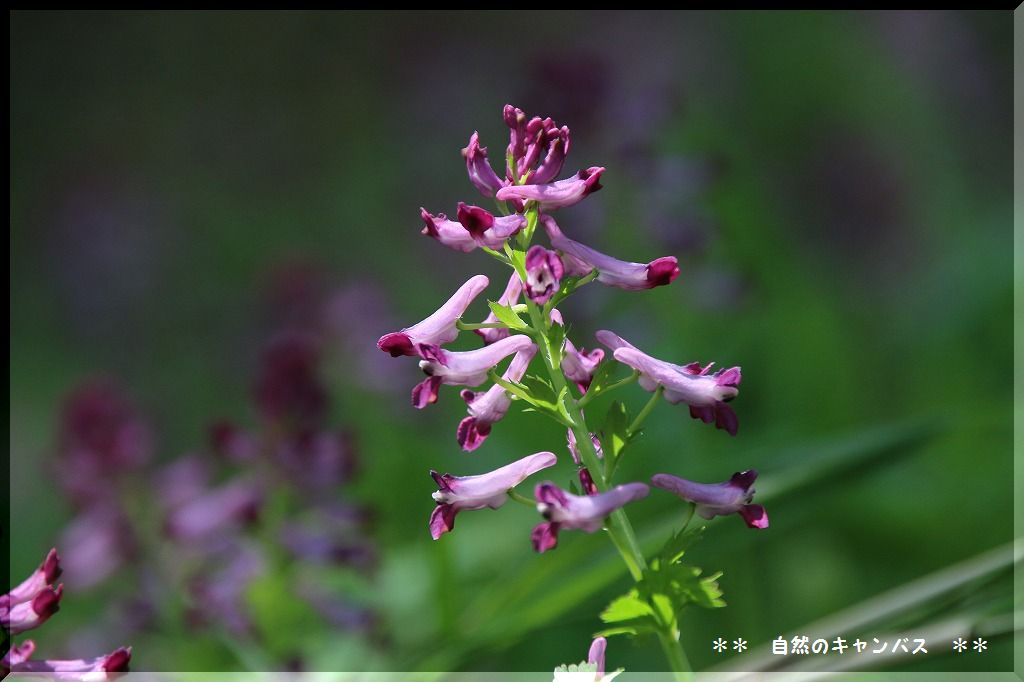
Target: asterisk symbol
[
  {"x": 959, "y": 644},
  {"x": 980, "y": 645},
  {"x": 720, "y": 645},
  {"x": 739, "y": 644}
]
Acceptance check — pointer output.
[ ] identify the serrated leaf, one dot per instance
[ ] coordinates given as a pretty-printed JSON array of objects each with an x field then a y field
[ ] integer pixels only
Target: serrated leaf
[
  {"x": 507, "y": 317},
  {"x": 540, "y": 388},
  {"x": 626, "y": 607},
  {"x": 629, "y": 615},
  {"x": 555, "y": 337},
  {"x": 678, "y": 543}
]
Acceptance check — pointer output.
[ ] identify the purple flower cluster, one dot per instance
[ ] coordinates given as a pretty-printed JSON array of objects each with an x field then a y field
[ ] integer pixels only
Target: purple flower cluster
[
  {"x": 208, "y": 504},
  {"x": 29, "y": 605},
  {"x": 526, "y": 194}
]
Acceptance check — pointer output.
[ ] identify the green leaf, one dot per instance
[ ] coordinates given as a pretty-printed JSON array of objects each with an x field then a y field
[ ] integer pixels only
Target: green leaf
[
  {"x": 602, "y": 377},
  {"x": 540, "y": 388},
  {"x": 615, "y": 435},
  {"x": 629, "y": 615},
  {"x": 556, "y": 341},
  {"x": 677, "y": 544},
  {"x": 507, "y": 317}
]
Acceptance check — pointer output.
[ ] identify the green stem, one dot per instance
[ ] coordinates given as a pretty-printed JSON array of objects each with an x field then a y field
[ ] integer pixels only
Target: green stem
[
  {"x": 522, "y": 499},
  {"x": 619, "y": 528},
  {"x": 648, "y": 408},
  {"x": 676, "y": 656},
  {"x": 470, "y": 326},
  {"x": 598, "y": 391}
]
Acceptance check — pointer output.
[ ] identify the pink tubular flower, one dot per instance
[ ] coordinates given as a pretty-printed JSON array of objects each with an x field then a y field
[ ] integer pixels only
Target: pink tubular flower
[
  {"x": 719, "y": 499},
  {"x": 544, "y": 272},
  {"x": 486, "y": 409},
  {"x": 465, "y": 368},
  {"x": 78, "y": 669},
  {"x": 508, "y": 298},
  {"x": 706, "y": 394},
  {"x": 42, "y": 577},
  {"x": 31, "y": 603},
  {"x": 437, "y": 329},
  {"x": 611, "y": 271},
  {"x": 481, "y": 174},
  {"x": 561, "y": 509},
  {"x": 558, "y": 194},
  {"x": 475, "y": 227},
  {"x": 461, "y": 493}
]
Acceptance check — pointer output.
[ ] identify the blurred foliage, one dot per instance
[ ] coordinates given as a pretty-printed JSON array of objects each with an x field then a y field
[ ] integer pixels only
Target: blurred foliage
[{"x": 849, "y": 246}]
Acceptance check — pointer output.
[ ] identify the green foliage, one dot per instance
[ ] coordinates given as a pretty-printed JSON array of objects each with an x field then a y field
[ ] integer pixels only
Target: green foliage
[
  {"x": 507, "y": 316},
  {"x": 666, "y": 588},
  {"x": 615, "y": 435},
  {"x": 281, "y": 619}
]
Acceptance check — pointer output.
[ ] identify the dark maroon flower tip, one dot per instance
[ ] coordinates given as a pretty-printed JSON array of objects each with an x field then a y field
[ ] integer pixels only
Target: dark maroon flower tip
[
  {"x": 430, "y": 228},
  {"x": 705, "y": 414},
  {"x": 475, "y": 219},
  {"x": 592, "y": 178},
  {"x": 442, "y": 520},
  {"x": 695, "y": 369},
  {"x": 442, "y": 480},
  {"x": 471, "y": 433},
  {"x": 51, "y": 566},
  {"x": 662, "y": 271},
  {"x": 544, "y": 537},
  {"x": 425, "y": 392},
  {"x": 117, "y": 661},
  {"x": 754, "y": 515},
  {"x": 726, "y": 419},
  {"x": 432, "y": 352},
  {"x": 47, "y": 602},
  {"x": 744, "y": 480},
  {"x": 587, "y": 481},
  {"x": 549, "y": 493},
  {"x": 397, "y": 344},
  {"x": 729, "y": 377},
  {"x": 467, "y": 395}
]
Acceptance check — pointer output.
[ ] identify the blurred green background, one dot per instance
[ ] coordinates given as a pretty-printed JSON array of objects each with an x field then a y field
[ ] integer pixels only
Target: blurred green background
[{"x": 835, "y": 186}]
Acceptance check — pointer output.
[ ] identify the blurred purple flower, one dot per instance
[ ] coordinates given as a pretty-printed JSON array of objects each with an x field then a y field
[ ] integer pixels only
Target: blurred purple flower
[
  {"x": 288, "y": 387},
  {"x": 101, "y": 437},
  {"x": 215, "y": 512},
  {"x": 95, "y": 544}
]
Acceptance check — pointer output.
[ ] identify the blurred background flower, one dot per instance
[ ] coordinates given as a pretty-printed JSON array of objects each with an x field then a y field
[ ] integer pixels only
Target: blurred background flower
[{"x": 227, "y": 229}]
